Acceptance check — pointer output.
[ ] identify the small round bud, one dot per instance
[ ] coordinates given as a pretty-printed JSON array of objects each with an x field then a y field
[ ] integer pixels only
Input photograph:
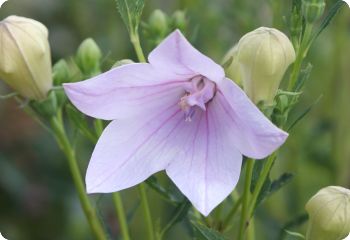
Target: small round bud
[
  {"x": 88, "y": 57},
  {"x": 263, "y": 57},
  {"x": 25, "y": 59},
  {"x": 122, "y": 62},
  {"x": 179, "y": 20},
  {"x": 312, "y": 9},
  {"x": 60, "y": 72},
  {"x": 158, "y": 23},
  {"x": 329, "y": 212}
]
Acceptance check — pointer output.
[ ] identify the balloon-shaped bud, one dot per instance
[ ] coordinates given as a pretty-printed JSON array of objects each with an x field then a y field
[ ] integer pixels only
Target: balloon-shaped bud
[
  {"x": 122, "y": 62},
  {"x": 158, "y": 22},
  {"x": 25, "y": 58},
  {"x": 263, "y": 56},
  {"x": 88, "y": 57},
  {"x": 329, "y": 212},
  {"x": 179, "y": 20},
  {"x": 61, "y": 73}
]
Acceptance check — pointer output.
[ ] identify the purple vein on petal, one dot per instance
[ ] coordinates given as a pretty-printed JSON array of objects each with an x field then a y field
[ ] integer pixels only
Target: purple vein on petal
[{"x": 138, "y": 147}]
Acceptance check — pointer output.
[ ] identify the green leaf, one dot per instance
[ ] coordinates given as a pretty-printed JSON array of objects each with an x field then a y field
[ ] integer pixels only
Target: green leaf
[
  {"x": 79, "y": 121},
  {"x": 178, "y": 215},
  {"x": 297, "y": 221},
  {"x": 205, "y": 233},
  {"x": 270, "y": 187},
  {"x": 283, "y": 180},
  {"x": 130, "y": 11},
  {"x": 303, "y": 114},
  {"x": 332, "y": 12},
  {"x": 153, "y": 183},
  {"x": 295, "y": 234},
  {"x": 303, "y": 77}
]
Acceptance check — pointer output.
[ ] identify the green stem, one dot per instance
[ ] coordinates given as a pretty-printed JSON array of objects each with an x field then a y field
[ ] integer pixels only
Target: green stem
[
  {"x": 89, "y": 211},
  {"x": 263, "y": 175},
  {"x": 231, "y": 214},
  {"x": 146, "y": 211},
  {"x": 121, "y": 215},
  {"x": 251, "y": 230},
  {"x": 245, "y": 201},
  {"x": 301, "y": 53},
  {"x": 98, "y": 124},
  {"x": 135, "y": 40}
]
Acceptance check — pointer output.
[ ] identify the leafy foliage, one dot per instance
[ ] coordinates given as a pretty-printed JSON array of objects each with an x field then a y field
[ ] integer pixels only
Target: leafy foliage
[
  {"x": 205, "y": 233},
  {"x": 130, "y": 11}
]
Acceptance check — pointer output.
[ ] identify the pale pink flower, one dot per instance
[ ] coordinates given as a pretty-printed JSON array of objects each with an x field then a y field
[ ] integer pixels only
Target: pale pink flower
[{"x": 177, "y": 113}]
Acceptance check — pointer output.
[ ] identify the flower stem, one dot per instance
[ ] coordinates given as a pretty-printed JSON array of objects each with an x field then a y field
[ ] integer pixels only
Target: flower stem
[
  {"x": 117, "y": 200},
  {"x": 263, "y": 175},
  {"x": 121, "y": 215},
  {"x": 89, "y": 211},
  {"x": 245, "y": 199},
  {"x": 146, "y": 211},
  {"x": 302, "y": 51},
  {"x": 135, "y": 40},
  {"x": 231, "y": 214}
]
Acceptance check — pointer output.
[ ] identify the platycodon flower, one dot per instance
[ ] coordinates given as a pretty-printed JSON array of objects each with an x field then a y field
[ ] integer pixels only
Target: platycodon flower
[{"x": 177, "y": 113}]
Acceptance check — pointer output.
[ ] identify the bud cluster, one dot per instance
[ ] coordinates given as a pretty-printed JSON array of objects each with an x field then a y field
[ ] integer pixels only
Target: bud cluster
[{"x": 159, "y": 25}]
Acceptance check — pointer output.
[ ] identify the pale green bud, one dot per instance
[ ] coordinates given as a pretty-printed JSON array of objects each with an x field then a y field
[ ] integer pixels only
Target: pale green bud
[
  {"x": 88, "y": 57},
  {"x": 179, "y": 20},
  {"x": 312, "y": 9},
  {"x": 122, "y": 62},
  {"x": 158, "y": 22},
  {"x": 61, "y": 72},
  {"x": 25, "y": 58},
  {"x": 329, "y": 212},
  {"x": 263, "y": 56}
]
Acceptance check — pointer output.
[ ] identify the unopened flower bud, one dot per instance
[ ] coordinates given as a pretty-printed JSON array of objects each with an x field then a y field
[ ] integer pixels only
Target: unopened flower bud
[
  {"x": 88, "y": 57},
  {"x": 61, "y": 72},
  {"x": 158, "y": 22},
  {"x": 312, "y": 9},
  {"x": 179, "y": 20},
  {"x": 25, "y": 58},
  {"x": 329, "y": 212},
  {"x": 263, "y": 56},
  {"x": 122, "y": 62}
]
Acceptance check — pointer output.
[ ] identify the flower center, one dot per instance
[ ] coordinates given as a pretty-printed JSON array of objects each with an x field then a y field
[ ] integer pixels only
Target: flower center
[{"x": 199, "y": 91}]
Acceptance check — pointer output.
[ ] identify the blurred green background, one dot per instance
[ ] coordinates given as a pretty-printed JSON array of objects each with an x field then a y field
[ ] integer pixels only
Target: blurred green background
[{"x": 37, "y": 197}]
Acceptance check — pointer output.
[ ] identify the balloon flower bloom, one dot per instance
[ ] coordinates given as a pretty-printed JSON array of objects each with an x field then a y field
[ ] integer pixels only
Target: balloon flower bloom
[{"x": 177, "y": 113}]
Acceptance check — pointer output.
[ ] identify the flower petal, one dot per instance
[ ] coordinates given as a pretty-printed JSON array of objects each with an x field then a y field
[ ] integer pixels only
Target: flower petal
[
  {"x": 131, "y": 150},
  {"x": 176, "y": 54},
  {"x": 125, "y": 91},
  {"x": 255, "y": 135},
  {"x": 208, "y": 169}
]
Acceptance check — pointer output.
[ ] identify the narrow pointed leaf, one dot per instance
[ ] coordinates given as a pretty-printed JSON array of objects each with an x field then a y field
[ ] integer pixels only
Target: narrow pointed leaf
[
  {"x": 206, "y": 233},
  {"x": 130, "y": 11},
  {"x": 303, "y": 114},
  {"x": 332, "y": 12}
]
